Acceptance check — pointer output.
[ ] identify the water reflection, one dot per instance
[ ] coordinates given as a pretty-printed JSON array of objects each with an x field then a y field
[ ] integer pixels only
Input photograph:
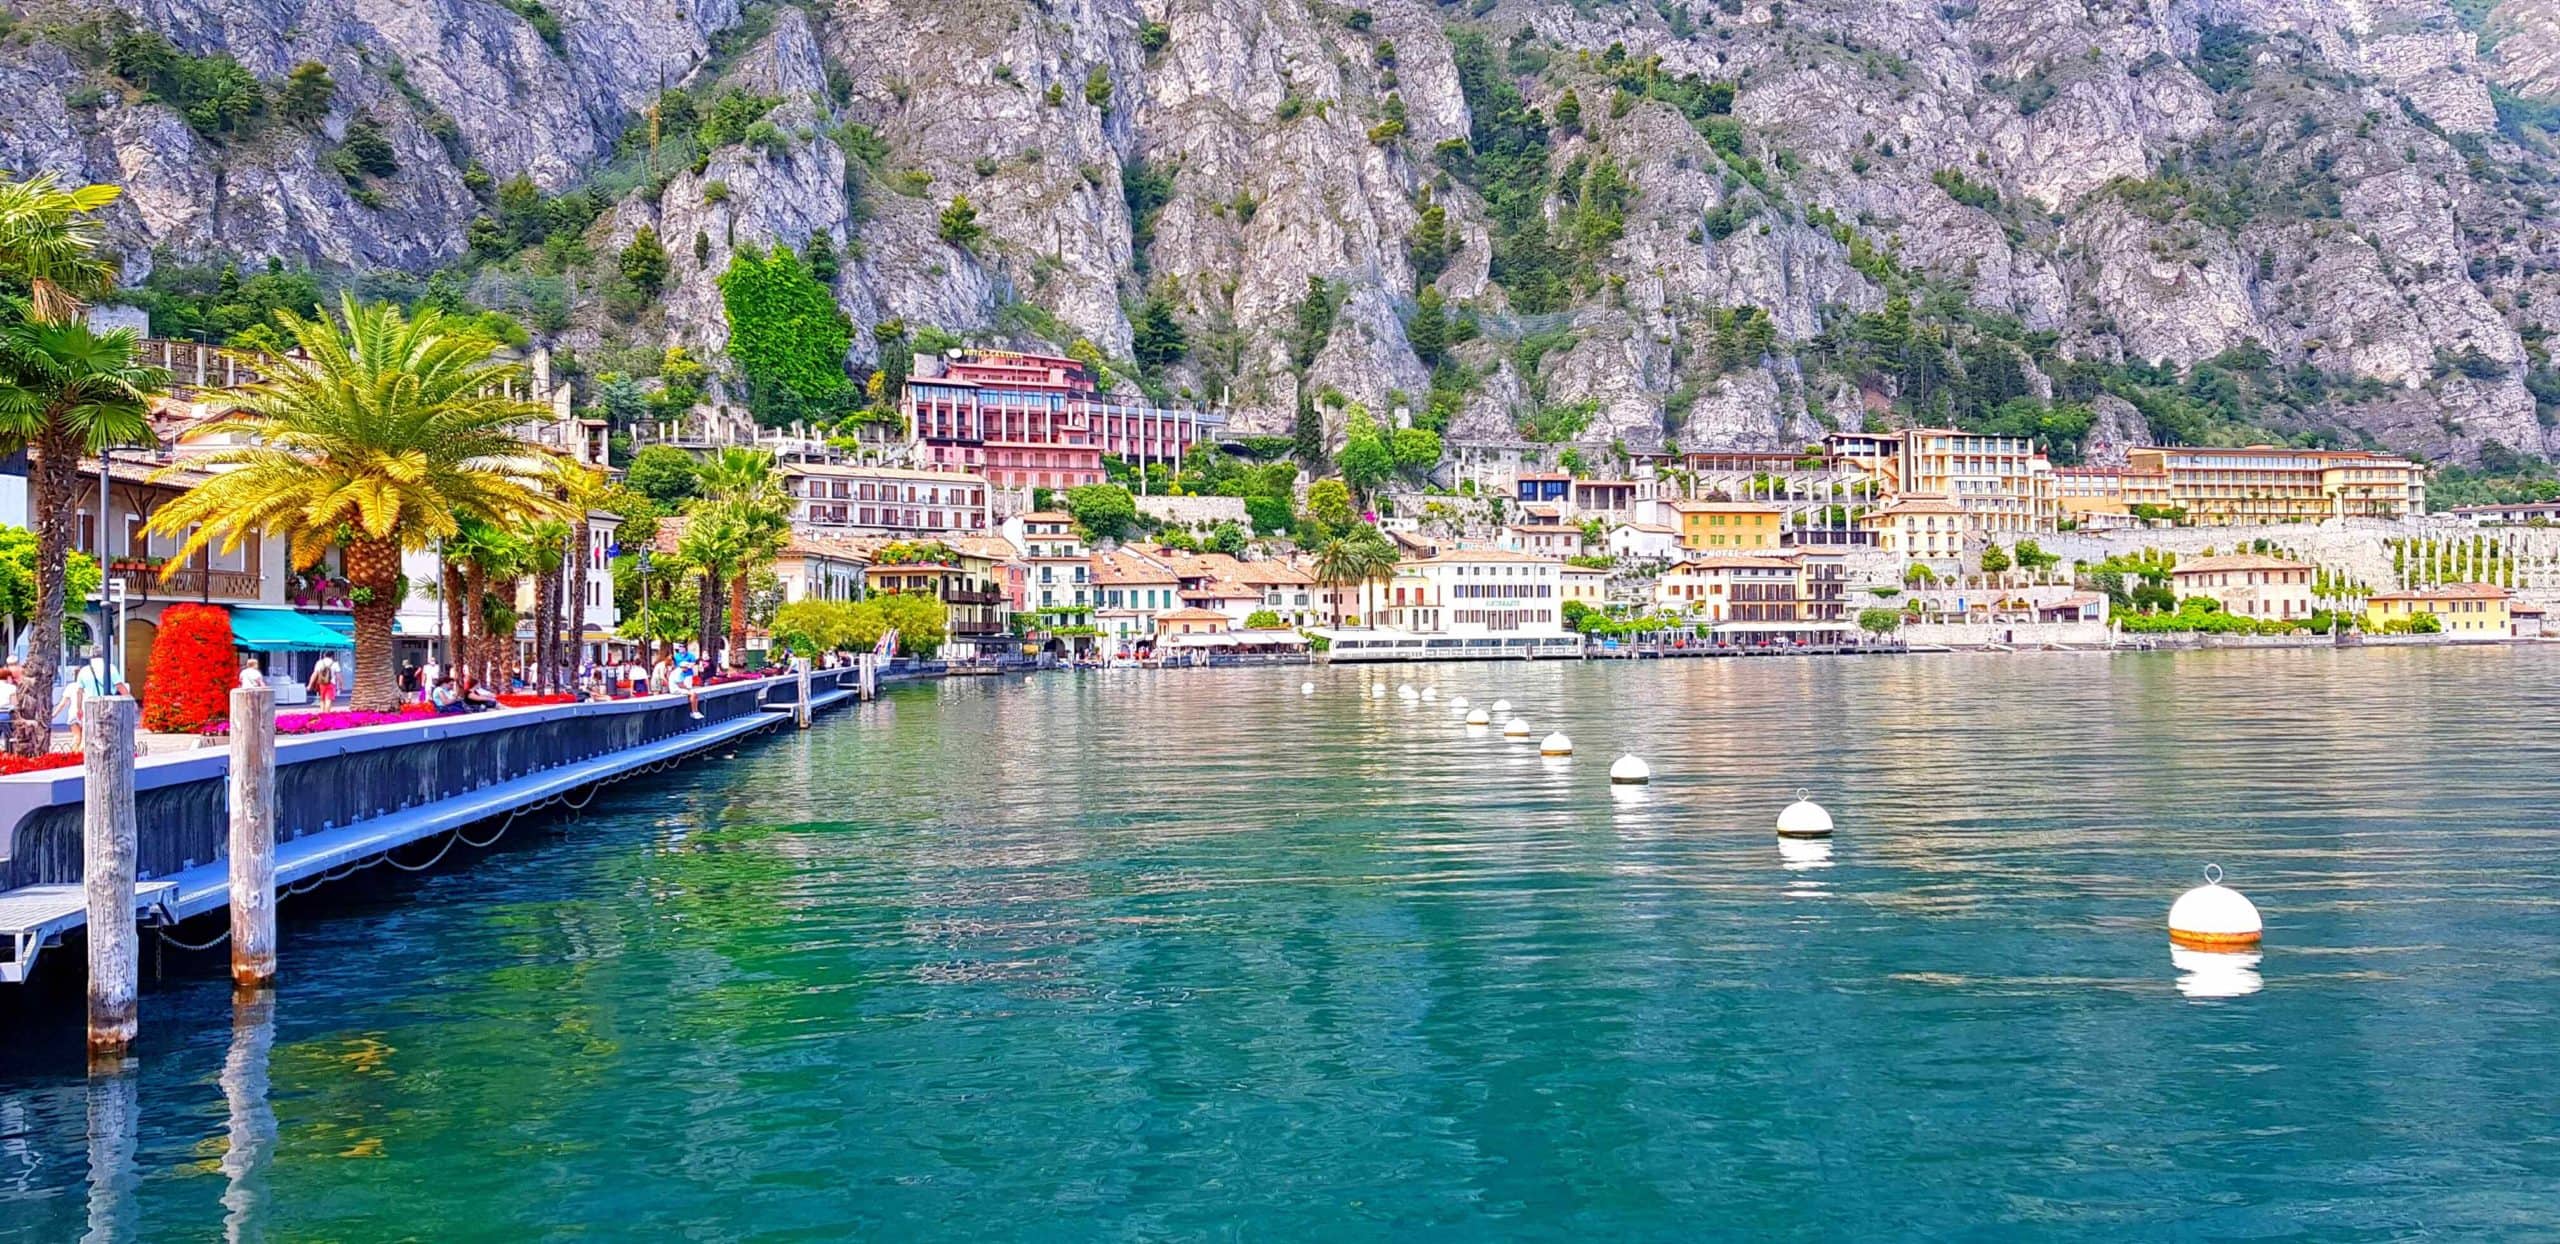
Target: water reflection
[
  {"x": 115, "y": 1107},
  {"x": 2206, "y": 974},
  {"x": 1799, "y": 854},
  {"x": 250, "y": 1129}
]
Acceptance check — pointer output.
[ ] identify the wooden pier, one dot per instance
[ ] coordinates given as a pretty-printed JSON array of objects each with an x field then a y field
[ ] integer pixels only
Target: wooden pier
[{"x": 346, "y": 800}]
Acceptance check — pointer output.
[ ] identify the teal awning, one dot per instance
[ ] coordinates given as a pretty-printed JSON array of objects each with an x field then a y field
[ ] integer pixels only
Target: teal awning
[{"x": 283, "y": 630}]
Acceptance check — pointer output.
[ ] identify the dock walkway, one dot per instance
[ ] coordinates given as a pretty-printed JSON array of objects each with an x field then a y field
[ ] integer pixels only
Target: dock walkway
[{"x": 36, "y": 916}]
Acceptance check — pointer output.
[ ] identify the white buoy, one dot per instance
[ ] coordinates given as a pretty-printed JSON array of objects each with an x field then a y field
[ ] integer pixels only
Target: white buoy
[
  {"x": 1629, "y": 771},
  {"x": 1478, "y": 718},
  {"x": 1430, "y": 693},
  {"x": 1457, "y": 701},
  {"x": 1555, "y": 745},
  {"x": 2214, "y": 917},
  {"x": 1804, "y": 819},
  {"x": 1500, "y": 707},
  {"x": 1306, "y": 688},
  {"x": 1406, "y": 692},
  {"x": 1517, "y": 729},
  {"x": 1378, "y": 691}
]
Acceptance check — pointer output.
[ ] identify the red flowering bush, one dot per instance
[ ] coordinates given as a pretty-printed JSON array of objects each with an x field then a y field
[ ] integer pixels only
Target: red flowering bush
[
  {"x": 529, "y": 700},
  {"x": 193, "y": 670},
  {"x": 36, "y": 764}
]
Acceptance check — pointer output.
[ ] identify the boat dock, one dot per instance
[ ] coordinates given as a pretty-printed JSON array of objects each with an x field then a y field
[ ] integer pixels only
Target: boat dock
[{"x": 349, "y": 800}]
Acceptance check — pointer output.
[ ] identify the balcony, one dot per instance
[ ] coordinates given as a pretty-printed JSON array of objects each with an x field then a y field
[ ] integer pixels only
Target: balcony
[
  {"x": 976, "y": 630},
  {"x": 190, "y": 584},
  {"x": 962, "y": 596}
]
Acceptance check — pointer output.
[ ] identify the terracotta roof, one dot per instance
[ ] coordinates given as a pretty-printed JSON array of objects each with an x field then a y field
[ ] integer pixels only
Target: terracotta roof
[
  {"x": 1191, "y": 615},
  {"x": 1654, "y": 528},
  {"x": 806, "y": 545},
  {"x": 2449, "y": 591},
  {"x": 1271, "y": 572},
  {"x": 2235, "y": 561},
  {"x": 1458, "y": 556},
  {"x": 847, "y": 471},
  {"x": 1587, "y": 570},
  {"x": 1918, "y": 503},
  {"x": 1048, "y": 516},
  {"x": 1712, "y": 564},
  {"x": 1123, "y": 568}
]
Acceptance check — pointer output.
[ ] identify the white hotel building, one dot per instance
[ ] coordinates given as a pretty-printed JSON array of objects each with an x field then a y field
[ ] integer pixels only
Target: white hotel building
[{"x": 1476, "y": 593}]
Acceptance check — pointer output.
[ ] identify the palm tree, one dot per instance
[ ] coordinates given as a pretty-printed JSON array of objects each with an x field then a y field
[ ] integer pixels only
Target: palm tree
[
  {"x": 715, "y": 539},
  {"x": 481, "y": 553},
  {"x": 382, "y": 437},
  {"x": 65, "y": 390},
  {"x": 49, "y": 239},
  {"x": 1358, "y": 556},
  {"x": 743, "y": 483}
]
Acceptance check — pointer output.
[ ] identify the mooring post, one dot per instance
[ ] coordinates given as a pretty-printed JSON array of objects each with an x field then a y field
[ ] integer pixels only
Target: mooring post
[
  {"x": 800, "y": 713},
  {"x": 867, "y": 676},
  {"x": 253, "y": 837},
  {"x": 107, "y": 875}
]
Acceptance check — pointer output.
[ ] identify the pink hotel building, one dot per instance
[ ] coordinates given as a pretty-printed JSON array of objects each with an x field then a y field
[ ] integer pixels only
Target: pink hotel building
[{"x": 1029, "y": 420}]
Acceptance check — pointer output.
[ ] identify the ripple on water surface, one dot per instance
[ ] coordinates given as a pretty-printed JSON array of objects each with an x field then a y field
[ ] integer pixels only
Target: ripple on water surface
[{"x": 1141, "y": 955}]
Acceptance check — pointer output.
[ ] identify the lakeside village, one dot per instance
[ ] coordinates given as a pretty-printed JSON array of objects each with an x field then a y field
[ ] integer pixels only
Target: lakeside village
[
  {"x": 1002, "y": 532},
  {"x": 1021, "y": 513}
]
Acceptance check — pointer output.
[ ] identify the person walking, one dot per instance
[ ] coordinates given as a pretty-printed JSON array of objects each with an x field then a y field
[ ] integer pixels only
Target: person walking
[{"x": 323, "y": 682}]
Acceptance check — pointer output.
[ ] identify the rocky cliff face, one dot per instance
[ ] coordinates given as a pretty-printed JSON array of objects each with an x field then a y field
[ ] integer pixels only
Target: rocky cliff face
[{"x": 1725, "y": 223}]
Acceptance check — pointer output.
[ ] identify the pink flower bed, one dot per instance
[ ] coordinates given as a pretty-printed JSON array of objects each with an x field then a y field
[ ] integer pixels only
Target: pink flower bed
[{"x": 335, "y": 719}]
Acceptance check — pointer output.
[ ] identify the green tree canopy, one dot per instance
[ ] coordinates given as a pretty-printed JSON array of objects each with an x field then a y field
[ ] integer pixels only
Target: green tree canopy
[
  {"x": 786, "y": 337},
  {"x": 1104, "y": 511}
]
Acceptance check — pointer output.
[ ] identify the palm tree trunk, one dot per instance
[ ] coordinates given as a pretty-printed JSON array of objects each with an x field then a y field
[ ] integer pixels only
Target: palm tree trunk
[
  {"x": 707, "y": 630},
  {"x": 373, "y": 568},
  {"x": 738, "y": 617},
  {"x": 54, "y": 475},
  {"x": 545, "y": 637},
  {"x": 454, "y": 654},
  {"x": 475, "y": 613},
  {"x": 579, "y": 534}
]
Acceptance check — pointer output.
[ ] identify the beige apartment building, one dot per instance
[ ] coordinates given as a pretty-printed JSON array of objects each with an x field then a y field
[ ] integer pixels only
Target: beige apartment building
[
  {"x": 2250, "y": 585},
  {"x": 2266, "y": 484},
  {"x": 2004, "y": 484}
]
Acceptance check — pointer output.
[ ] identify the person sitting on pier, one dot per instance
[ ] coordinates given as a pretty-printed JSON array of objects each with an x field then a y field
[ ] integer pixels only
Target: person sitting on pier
[
  {"x": 477, "y": 697},
  {"x": 686, "y": 674},
  {"x": 445, "y": 697}
]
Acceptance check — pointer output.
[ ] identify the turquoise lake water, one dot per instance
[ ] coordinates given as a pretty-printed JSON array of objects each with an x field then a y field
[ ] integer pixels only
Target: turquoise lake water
[{"x": 1188, "y": 955}]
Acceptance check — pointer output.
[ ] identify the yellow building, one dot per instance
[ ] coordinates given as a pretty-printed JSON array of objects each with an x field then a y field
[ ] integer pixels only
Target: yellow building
[
  {"x": 2266, "y": 484},
  {"x": 2469, "y": 610},
  {"x": 2251, "y": 585},
  {"x": 1585, "y": 584},
  {"x": 1929, "y": 529},
  {"x": 1728, "y": 526}
]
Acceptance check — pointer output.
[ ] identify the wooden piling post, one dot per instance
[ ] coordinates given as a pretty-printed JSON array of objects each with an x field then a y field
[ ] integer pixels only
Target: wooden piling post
[
  {"x": 253, "y": 837},
  {"x": 107, "y": 876},
  {"x": 800, "y": 713},
  {"x": 867, "y": 677}
]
